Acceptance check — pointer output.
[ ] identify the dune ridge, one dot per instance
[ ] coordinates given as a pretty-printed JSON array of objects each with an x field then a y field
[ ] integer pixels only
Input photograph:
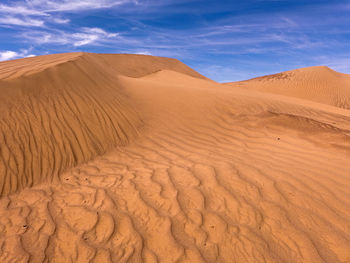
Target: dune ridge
[{"x": 215, "y": 174}]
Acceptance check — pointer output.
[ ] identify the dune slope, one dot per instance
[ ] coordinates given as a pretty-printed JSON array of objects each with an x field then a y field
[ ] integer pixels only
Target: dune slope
[
  {"x": 320, "y": 84},
  {"x": 59, "y": 111},
  {"x": 216, "y": 174}
]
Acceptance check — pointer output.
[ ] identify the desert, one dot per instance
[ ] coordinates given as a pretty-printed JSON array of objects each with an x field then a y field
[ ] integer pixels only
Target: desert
[{"x": 138, "y": 158}]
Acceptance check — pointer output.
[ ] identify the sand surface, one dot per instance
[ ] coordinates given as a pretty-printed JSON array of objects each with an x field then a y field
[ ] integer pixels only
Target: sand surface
[{"x": 131, "y": 158}]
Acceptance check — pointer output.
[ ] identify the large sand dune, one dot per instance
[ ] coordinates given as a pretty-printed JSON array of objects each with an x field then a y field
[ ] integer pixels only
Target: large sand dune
[
  {"x": 59, "y": 111},
  {"x": 148, "y": 161}
]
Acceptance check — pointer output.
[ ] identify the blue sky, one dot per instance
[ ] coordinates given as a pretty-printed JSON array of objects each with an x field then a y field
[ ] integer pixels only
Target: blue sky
[{"x": 224, "y": 40}]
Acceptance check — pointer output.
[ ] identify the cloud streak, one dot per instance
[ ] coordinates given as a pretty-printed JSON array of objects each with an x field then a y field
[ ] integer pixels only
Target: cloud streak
[
  {"x": 28, "y": 22},
  {"x": 84, "y": 36},
  {"x": 45, "y": 8}
]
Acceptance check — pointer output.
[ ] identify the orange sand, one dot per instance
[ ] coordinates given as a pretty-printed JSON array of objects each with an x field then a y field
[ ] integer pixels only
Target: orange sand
[{"x": 132, "y": 158}]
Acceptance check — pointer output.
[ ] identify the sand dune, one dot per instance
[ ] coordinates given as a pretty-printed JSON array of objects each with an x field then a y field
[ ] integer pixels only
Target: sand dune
[
  {"x": 171, "y": 166},
  {"x": 320, "y": 84},
  {"x": 61, "y": 111},
  {"x": 58, "y": 111}
]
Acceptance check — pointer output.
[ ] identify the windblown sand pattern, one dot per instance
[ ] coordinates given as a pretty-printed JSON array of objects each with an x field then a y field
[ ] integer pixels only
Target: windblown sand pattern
[{"x": 159, "y": 164}]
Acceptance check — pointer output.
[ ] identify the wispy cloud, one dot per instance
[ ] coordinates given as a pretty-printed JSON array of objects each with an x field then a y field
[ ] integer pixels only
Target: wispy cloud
[
  {"x": 21, "y": 8},
  {"x": 82, "y": 37},
  {"x": 59, "y": 20},
  {"x": 90, "y": 35},
  {"x": 45, "y": 7},
  {"x": 28, "y": 22},
  {"x": 36, "y": 12}
]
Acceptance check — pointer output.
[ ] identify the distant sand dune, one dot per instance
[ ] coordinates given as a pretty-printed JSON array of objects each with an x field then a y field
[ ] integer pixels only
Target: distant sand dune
[
  {"x": 168, "y": 167},
  {"x": 320, "y": 84}
]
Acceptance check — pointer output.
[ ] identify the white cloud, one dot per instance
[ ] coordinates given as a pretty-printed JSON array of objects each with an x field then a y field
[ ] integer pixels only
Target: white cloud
[
  {"x": 8, "y": 54},
  {"x": 83, "y": 39}
]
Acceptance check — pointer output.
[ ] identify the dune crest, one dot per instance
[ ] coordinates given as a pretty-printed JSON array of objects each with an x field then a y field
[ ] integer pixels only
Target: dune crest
[{"x": 196, "y": 171}]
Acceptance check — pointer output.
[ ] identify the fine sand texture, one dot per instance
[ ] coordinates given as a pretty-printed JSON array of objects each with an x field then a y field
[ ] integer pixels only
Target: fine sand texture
[{"x": 133, "y": 158}]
